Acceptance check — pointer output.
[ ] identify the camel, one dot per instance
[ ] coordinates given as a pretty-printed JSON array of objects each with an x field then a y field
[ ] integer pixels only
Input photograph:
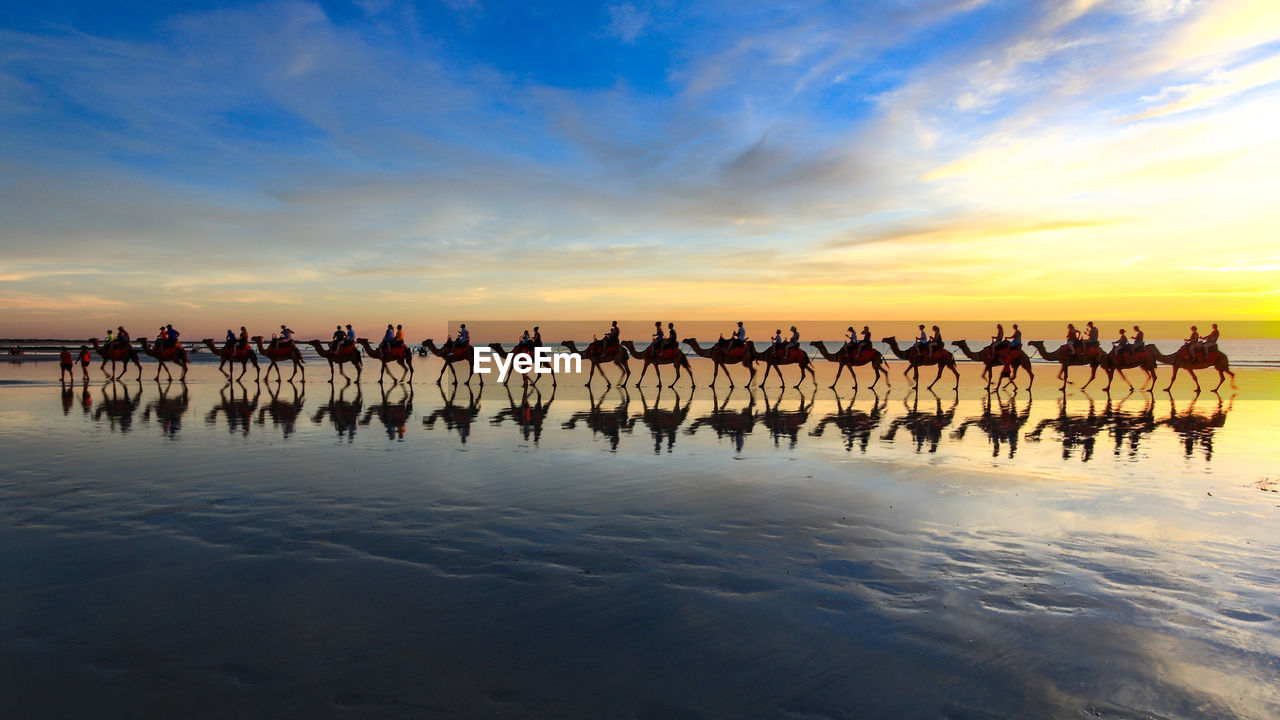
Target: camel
[
  {"x": 1182, "y": 360},
  {"x": 1119, "y": 361},
  {"x": 845, "y": 358},
  {"x": 343, "y": 414},
  {"x": 609, "y": 423},
  {"x": 502, "y": 355},
  {"x": 667, "y": 356},
  {"x": 597, "y": 354},
  {"x": 1091, "y": 356},
  {"x": 794, "y": 356},
  {"x": 722, "y": 355},
  {"x": 854, "y": 425},
  {"x": 400, "y": 355},
  {"x": 176, "y": 354},
  {"x": 940, "y": 357},
  {"x": 662, "y": 423},
  {"x": 281, "y": 350},
  {"x": 344, "y": 354},
  {"x": 167, "y": 410},
  {"x": 456, "y": 416},
  {"x": 990, "y": 358},
  {"x": 115, "y": 352},
  {"x": 456, "y": 354},
  {"x": 923, "y": 425},
  {"x": 235, "y": 353}
]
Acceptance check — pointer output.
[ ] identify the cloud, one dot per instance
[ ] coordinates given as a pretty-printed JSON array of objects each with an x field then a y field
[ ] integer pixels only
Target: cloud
[{"x": 626, "y": 22}]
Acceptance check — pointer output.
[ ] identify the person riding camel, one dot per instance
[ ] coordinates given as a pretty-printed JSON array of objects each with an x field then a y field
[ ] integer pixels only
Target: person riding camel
[
  {"x": 997, "y": 340},
  {"x": 1192, "y": 343},
  {"x": 613, "y": 337},
  {"x": 387, "y": 337},
  {"x": 1073, "y": 339},
  {"x": 794, "y": 342},
  {"x": 285, "y": 337},
  {"x": 535, "y": 341},
  {"x": 171, "y": 336},
  {"x": 1120, "y": 346},
  {"x": 655, "y": 341},
  {"x": 523, "y": 343},
  {"x": 242, "y": 342},
  {"x": 111, "y": 338},
  {"x": 936, "y": 340},
  {"x": 1210, "y": 342},
  {"x": 397, "y": 341},
  {"x": 672, "y": 341},
  {"x": 851, "y": 342},
  {"x": 1092, "y": 337},
  {"x": 230, "y": 341},
  {"x": 922, "y": 341},
  {"x": 777, "y": 342},
  {"x": 865, "y": 343},
  {"x": 739, "y": 337},
  {"x": 350, "y": 336},
  {"x": 338, "y": 337},
  {"x": 122, "y": 337},
  {"x": 1015, "y": 340},
  {"x": 463, "y": 340},
  {"x": 1137, "y": 340}
]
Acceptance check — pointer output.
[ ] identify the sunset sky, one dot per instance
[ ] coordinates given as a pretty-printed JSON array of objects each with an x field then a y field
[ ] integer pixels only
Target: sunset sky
[{"x": 378, "y": 161}]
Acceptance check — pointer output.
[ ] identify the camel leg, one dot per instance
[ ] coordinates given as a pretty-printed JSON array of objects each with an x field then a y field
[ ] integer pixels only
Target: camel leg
[
  {"x": 471, "y": 371},
  {"x": 716, "y": 373},
  {"x": 643, "y": 370},
  {"x": 441, "y": 377},
  {"x": 1172, "y": 377},
  {"x": 1192, "y": 373},
  {"x": 1092, "y": 375},
  {"x": 840, "y": 369},
  {"x": 1063, "y": 374},
  {"x": 1123, "y": 377},
  {"x": 936, "y": 377},
  {"x": 382, "y": 371},
  {"x": 689, "y": 369},
  {"x": 673, "y": 382}
]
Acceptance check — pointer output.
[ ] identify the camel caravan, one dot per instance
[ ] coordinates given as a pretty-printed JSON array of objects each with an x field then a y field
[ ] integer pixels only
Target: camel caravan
[{"x": 1003, "y": 357}]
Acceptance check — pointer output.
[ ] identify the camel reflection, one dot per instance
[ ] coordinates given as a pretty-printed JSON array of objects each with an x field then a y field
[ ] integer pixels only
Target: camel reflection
[
  {"x": 1195, "y": 428},
  {"x": 1130, "y": 423},
  {"x": 528, "y": 416},
  {"x": 284, "y": 413},
  {"x": 925, "y": 426},
  {"x": 1079, "y": 430},
  {"x": 662, "y": 423},
  {"x": 732, "y": 424},
  {"x": 457, "y": 418},
  {"x": 610, "y": 422},
  {"x": 1001, "y": 426},
  {"x": 855, "y": 425},
  {"x": 343, "y": 414},
  {"x": 393, "y": 414},
  {"x": 118, "y": 405},
  {"x": 168, "y": 410},
  {"x": 786, "y": 423},
  {"x": 237, "y": 409}
]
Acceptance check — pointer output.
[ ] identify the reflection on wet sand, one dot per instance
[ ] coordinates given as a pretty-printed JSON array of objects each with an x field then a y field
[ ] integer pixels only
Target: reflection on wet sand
[
  {"x": 925, "y": 426},
  {"x": 732, "y": 424},
  {"x": 457, "y": 417},
  {"x": 237, "y": 410},
  {"x": 118, "y": 404},
  {"x": 168, "y": 408},
  {"x": 343, "y": 414},
  {"x": 1077, "y": 420},
  {"x": 663, "y": 422},
  {"x": 528, "y": 415},
  {"x": 855, "y": 425},
  {"x": 610, "y": 422},
  {"x": 393, "y": 412},
  {"x": 1003, "y": 425}
]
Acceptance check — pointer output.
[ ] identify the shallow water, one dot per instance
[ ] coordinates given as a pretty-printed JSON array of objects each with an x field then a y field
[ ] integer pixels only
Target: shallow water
[{"x": 263, "y": 549}]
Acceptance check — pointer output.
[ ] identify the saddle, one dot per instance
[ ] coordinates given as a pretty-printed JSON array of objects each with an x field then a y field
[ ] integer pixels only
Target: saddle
[
  {"x": 732, "y": 353},
  {"x": 790, "y": 355},
  {"x": 663, "y": 353}
]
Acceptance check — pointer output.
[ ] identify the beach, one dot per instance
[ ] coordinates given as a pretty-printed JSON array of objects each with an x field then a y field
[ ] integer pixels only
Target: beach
[{"x": 261, "y": 550}]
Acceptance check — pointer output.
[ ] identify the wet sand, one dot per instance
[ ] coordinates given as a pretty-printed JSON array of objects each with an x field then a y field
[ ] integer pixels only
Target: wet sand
[{"x": 248, "y": 552}]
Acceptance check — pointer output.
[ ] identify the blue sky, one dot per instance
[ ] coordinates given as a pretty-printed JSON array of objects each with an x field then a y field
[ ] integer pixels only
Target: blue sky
[{"x": 442, "y": 159}]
